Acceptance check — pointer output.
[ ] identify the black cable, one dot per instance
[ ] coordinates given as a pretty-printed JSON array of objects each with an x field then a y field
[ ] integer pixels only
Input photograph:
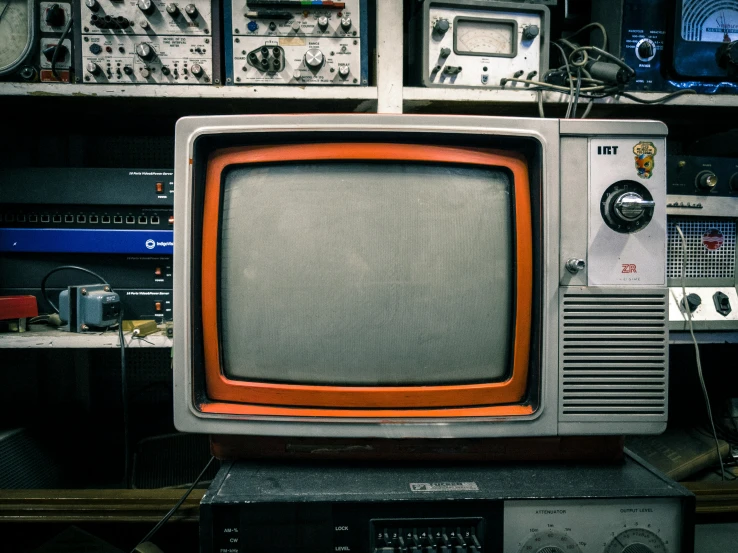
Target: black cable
[
  {"x": 65, "y": 268},
  {"x": 173, "y": 510},
  {"x": 615, "y": 91},
  {"x": 124, "y": 399},
  {"x": 59, "y": 45}
]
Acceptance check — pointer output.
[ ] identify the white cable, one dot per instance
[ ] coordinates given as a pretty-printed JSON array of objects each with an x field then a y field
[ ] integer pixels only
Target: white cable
[{"x": 697, "y": 349}]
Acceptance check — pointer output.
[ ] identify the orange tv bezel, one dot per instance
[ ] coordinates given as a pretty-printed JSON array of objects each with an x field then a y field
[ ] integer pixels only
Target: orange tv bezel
[{"x": 238, "y": 397}]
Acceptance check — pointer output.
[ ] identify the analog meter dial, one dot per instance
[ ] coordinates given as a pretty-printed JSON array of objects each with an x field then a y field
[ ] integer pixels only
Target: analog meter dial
[
  {"x": 709, "y": 21},
  {"x": 550, "y": 541},
  {"x": 16, "y": 33},
  {"x": 636, "y": 540},
  {"x": 485, "y": 37}
]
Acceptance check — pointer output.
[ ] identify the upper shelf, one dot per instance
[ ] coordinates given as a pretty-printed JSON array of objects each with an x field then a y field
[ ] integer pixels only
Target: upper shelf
[
  {"x": 411, "y": 95},
  {"x": 159, "y": 91},
  {"x": 509, "y": 95}
]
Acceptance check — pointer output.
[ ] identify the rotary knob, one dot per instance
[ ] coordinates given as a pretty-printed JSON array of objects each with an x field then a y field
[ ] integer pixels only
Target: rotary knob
[
  {"x": 692, "y": 303},
  {"x": 627, "y": 206},
  {"x": 645, "y": 49},
  {"x": 145, "y": 51},
  {"x": 323, "y": 22},
  {"x": 314, "y": 58},
  {"x": 344, "y": 71},
  {"x": 727, "y": 57},
  {"x": 173, "y": 9},
  {"x": 530, "y": 32},
  {"x": 706, "y": 181},
  {"x": 191, "y": 11},
  {"x": 92, "y": 68},
  {"x": 345, "y": 23},
  {"x": 441, "y": 26},
  {"x": 92, "y": 5},
  {"x": 196, "y": 69},
  {"x": 146, "y": 6}
]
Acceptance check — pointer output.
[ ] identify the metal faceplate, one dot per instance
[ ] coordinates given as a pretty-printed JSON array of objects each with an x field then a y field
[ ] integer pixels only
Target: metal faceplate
[
  {"x": 584, "y": 526},
  {"x": 178, "y": 56},
  {"x": 63, "y": 62},
  {"x": 307, "y": 21},
  {"x": 337, "y": 54},
  {"x": 156, "y": 20},
  {"x": 638, "y": 257},
  {"x": 706, "y": 315},
  {"x": 470, "y": 44}
]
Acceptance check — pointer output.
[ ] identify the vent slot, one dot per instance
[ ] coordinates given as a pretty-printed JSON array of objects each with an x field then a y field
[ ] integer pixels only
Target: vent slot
[
  {"x": 701, "y": 261},
  {"x": 613, "y": 356}
]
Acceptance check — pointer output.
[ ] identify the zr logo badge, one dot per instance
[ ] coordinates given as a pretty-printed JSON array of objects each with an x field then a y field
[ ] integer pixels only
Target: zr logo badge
[{"x": 629, "y": 268}]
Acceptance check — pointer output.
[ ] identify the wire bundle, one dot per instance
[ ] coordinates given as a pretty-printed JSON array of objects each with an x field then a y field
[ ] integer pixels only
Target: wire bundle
[{"x": 577, "y": 80}]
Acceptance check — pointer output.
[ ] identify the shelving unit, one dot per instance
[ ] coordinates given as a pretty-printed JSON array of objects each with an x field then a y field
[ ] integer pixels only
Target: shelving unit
[{"x": 42, "y": 336}]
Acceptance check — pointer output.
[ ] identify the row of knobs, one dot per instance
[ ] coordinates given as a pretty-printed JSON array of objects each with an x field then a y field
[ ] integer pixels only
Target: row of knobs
[
  {"x": 442, "y": 26},
  {"x": 322, "y": 24},
  {"x": 148, "y": 7}
]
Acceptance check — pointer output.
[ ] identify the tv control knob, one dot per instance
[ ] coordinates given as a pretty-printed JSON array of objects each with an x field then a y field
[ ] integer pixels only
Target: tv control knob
[
  {"x": 345, "y": 23},
  {"x": 314, "y": 58},
  {"x": 92, "y": 68},
  {"x": 191, "y": 11},
  {"x": 92, "y": 5},
  {"x": 344, "y": 71},
  {"x": 173, "y": 9},
  {"x": 323, "y": 22},
  {"x": 627, "y": 206},
  {"x": 196, "y": 69},
  {"x": 706, "y": 181},
  {"x": 145, "y": 51},
  {"x": 441, "y": 26},
  {"x": 146, "y": 6},
  {"x": 530, "y": 32}
]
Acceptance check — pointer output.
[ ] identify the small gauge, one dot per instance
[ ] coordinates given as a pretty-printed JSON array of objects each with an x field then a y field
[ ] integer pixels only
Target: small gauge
[
  {"x": 636, "y": 540},
  {"x": 550, "y": 541},
  {"x": 16, "y": 33},
  {"x": 485, "y": 37},
  {"x": 709, "y": 21}
]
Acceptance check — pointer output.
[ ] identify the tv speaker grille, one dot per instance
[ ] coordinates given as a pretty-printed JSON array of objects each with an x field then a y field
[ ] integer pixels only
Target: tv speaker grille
[
  {"x": 613, "y": 356},
  {"x": 702, "y": 262}
]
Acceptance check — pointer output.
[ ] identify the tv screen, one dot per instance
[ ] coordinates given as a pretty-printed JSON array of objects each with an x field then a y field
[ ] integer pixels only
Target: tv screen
[{"x": 365, "y": 273}]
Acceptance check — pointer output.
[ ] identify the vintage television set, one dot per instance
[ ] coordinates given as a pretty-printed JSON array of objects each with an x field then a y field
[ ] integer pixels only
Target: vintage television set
[{"x": 413, "y": 276}]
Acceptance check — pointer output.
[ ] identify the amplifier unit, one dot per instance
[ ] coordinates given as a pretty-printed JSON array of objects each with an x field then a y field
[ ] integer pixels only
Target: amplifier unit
[
  {"x": 674, "y": 44},
  {"x": 148, "y": 42},
  {"x": 703, "y": 204},
  {"x": 36, "y": 41},
  {"x": 476, "y": 43},
  {"x": 115, "y": 222},
  {"x": 526, "y": 508},
  {"x": 293, "y": 42}
]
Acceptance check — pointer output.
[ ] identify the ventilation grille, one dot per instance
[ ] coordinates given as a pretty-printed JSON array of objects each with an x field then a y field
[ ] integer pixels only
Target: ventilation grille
[
  {"x": 614, "y": 357},
  {"x": 701, "y": 262}
]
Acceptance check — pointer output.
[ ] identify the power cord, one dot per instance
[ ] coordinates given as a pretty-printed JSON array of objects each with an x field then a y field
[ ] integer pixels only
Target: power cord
[
  {"x": 59, "y": 45},
  {"x": 697, "y": 350},
  {"x": 173, "y": 510},
  {"x": 124, "y": 400}
]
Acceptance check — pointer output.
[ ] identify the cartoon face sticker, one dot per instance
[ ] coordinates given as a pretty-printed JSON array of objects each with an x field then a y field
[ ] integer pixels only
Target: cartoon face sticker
[{"x": 644, "y": 159}]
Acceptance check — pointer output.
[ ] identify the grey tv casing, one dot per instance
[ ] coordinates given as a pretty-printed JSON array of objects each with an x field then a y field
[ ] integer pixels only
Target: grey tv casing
[{"x": 603, "y": 398}]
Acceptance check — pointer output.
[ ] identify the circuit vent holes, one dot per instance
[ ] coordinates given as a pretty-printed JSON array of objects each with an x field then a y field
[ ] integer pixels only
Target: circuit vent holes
[
  {"x": 702, "y": 262},
  {"x": 613, "y": 356}
]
